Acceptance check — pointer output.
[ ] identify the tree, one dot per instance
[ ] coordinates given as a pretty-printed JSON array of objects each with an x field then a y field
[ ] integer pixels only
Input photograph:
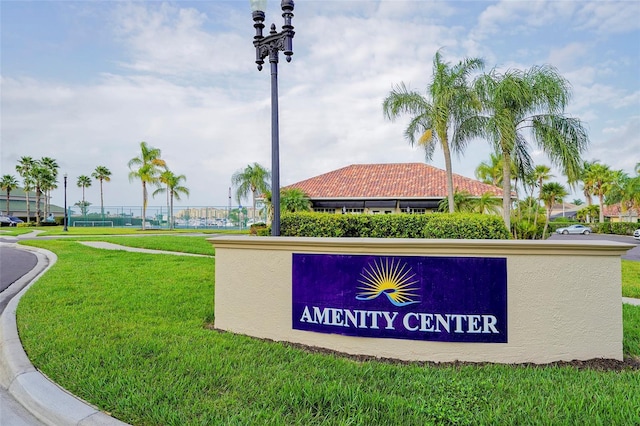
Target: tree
[
  {"x": 294, "y": 200},
  {"x": 102, "y": 174},
  {"x": 601, "y": 178},
  {"x": 49, "y": 183},
  {"x": 42, "y": 180},
  {"x": 551, "y": 193},
  {"x": 487, "y": 203},
  {"x": 252, "y": 179},
  {"x": 462, "y": 203},
  {"x": 434, "y": 118},
  {"x": 532, "y": 100},
  {"x": 540, "y": 174},
  {"x": 625, "y": 191},
  {"x": 8, "y": 183},
  {"x": 24, "y": 169},
  {"x": 173, "y": 190},
  {"x": 83, "y": 182},
  {"x": 84, "y": 207},
  {"x": 490, "y": 172},
  {"x": 146, "y": 167}
]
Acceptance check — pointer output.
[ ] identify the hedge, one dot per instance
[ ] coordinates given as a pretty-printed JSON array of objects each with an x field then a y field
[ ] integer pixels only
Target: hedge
[{"x": 436, "y": 225}]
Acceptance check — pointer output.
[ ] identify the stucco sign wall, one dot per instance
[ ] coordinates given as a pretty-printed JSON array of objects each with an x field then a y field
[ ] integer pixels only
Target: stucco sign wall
[{"x": 446, "y": 299}]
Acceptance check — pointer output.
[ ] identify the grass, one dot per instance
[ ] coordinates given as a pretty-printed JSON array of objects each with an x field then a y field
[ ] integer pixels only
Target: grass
[
  {"x": 126, "y": 332},
  {"x": 182, "y": 244},
  {"x": 630, "y": 278}
]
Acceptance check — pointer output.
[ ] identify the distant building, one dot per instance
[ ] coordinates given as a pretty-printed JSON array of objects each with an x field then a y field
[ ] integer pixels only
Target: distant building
[
  {"x": 614, "y": 213},
  {"x": 386, "y": 188},
  {"x": 18, "y": 204}
]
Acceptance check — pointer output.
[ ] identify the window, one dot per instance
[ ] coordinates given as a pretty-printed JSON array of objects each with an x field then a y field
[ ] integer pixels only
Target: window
[{"x": 324, "y": 210}]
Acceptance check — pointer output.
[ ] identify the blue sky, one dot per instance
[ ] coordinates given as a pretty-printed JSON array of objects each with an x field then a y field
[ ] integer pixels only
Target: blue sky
[{"x": 84, "y": 82}]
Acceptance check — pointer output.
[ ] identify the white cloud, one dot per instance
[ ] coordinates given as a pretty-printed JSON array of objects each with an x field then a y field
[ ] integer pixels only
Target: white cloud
[{"x": 188, "y": 85}]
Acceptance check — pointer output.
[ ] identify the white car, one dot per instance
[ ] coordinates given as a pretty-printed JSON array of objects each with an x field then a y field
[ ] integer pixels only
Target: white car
[
  {"x": 636, "y": 234},
  {"x": 574, "y": 229}
]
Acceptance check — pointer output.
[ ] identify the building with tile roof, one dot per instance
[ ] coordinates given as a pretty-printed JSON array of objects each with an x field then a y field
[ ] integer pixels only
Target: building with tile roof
[
  {"x": 386, "y": 188},
  {"x": 18, "y": 204}
]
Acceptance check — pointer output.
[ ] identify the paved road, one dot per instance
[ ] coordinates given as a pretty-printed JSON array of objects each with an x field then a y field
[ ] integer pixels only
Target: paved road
[
  {"x": 633, "y": 254},
  {"x": 14, "y": 264}
]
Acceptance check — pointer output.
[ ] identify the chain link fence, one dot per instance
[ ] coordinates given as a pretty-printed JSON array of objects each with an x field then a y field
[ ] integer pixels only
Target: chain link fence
[{"x": 192, "y": 217}]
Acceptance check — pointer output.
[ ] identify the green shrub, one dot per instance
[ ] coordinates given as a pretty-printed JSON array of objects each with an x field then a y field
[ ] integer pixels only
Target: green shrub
[
  {"x": 617, "y": 228},
  {"x": 437, "y": 225}
]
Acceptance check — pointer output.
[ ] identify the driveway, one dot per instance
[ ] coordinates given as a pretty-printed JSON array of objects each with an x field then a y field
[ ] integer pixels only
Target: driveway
[{"x": 633, "y": 254}]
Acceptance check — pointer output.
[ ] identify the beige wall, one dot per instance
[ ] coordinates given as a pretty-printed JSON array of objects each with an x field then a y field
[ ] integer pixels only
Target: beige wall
[{"x": 564, "y": 298}]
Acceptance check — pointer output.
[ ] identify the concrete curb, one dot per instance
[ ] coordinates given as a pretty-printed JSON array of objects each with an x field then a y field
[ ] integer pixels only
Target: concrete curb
[{"x": 47, "y": 401}]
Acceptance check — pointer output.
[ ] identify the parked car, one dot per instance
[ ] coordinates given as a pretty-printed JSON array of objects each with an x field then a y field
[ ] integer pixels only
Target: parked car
[
  {"x": 574, "y": 229},
  {"x": 636, "y": 234},
  {"x": 5, "y": 221},
  {"x": 15, "y": 220}
]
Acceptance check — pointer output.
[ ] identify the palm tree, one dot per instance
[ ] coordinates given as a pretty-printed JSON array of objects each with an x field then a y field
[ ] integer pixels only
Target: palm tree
[
  {"x": 552, "y": 193},
  {"x": 42, "y": 180},
  {"x": 601, "y": 178},
  {"x": 490, "y": 172},
  {"x": 535, "y": 100},
  {"x": 8, "y": 183},
  {"x": 52, "y": 165},
  {"x": 147, "y": 169},
  {"x": 253, "y": 178},
  {"x": 463, "y": 202},
  {"x": 587, "y": 183},
  {"x": 294, "y": 200},
  {"x": 173, "y": 190},
  {"x": 24, "y": 169},
  {"x": 448, "y": 103},
  {"x": 102, "y": 174},
  {"x": 83, "y": 182},
  {"x": 540, "y": 174},
  {"x": 487, "y": 203}
]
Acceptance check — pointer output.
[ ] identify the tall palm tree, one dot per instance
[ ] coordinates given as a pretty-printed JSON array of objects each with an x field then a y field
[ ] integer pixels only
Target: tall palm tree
[
  {"x": 532, "y": 100},
  {"x": 438, "y": 116},
  {"x": 173, "y": 190},
  {"x": 24, "y": 169},
  {"x": 602, "y": 179},
  {"x": 42, "y": 180},
  {"x": 102, "y": 174},
  {"x": 8, "y": 183},
  {"x": 540, "y": 174},
  {"x": 552, "y": 193},
  {"x": 146, "y": 167},
  {"x": 253, "y": 178},
  {"x": 587, "y": 183},
  {"x": 84, "y": 181},
  {"x": 52, "y": 165}
]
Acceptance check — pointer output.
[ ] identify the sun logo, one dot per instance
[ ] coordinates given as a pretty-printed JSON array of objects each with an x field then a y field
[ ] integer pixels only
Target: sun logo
[{"x": 390, "y": 278}]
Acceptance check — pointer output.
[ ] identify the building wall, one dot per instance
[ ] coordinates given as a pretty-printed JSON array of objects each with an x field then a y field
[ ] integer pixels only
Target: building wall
[{"x": 564, "y": 298}]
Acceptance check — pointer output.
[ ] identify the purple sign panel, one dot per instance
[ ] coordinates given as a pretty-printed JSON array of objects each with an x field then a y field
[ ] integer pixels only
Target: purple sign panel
[{"x": 446, "y": 299}]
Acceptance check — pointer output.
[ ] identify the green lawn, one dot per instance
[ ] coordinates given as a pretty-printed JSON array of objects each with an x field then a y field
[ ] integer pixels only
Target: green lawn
[
  {"x": 127, "y": 332},
  {"x": 631, "y": 278}
]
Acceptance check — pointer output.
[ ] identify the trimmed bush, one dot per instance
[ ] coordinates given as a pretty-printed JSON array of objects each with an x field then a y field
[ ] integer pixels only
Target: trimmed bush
[{"x": 437, "y": 225}]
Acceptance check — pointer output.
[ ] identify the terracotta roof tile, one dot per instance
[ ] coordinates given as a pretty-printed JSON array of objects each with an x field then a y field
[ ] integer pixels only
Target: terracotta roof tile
[{"x": 397, "y": 180}]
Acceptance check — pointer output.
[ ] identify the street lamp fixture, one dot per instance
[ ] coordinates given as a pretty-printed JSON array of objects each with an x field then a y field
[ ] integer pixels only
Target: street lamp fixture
[
  {"x": 65, "y": 229},
  {"x": 270, "y": 46}
]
